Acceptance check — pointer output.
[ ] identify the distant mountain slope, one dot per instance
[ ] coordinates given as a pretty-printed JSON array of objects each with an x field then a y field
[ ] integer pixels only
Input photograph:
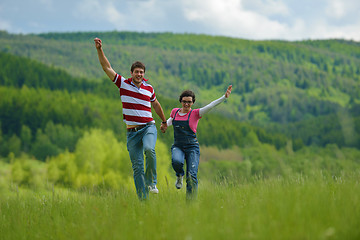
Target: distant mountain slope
[
  {"x": 276, "y": 83},
  {"x": 34, "y": 95}
]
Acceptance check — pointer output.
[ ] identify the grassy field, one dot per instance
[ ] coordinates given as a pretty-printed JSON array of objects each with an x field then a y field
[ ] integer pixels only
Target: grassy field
[{"x": 298, "y": 207}]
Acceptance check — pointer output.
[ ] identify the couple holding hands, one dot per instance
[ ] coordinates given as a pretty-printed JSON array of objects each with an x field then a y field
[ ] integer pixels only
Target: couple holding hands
[{"x": 138, "y": 97}]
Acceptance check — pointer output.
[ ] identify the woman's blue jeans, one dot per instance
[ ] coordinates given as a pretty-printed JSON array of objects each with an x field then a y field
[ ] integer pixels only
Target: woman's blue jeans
[
  {"x": 190, "y": 154},
  {"x": 138, "y": 143}
]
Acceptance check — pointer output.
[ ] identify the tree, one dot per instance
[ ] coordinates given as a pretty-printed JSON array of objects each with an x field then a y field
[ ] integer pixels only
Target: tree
[
  {"x": 26, "y": 138},
  {"x": 43, "y": 148},
  {"x": 14, "y": 145}
]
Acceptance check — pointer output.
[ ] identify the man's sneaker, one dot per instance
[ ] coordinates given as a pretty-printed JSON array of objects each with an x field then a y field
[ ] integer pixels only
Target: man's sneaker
[
  {"x": 153, "y": 189},
  {"x": 179, "y": 182}
]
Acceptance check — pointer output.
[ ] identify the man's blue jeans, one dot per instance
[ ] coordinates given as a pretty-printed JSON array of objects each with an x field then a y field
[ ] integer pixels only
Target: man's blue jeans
[
  {"x": 190, "y": 154},
  {"x": 138, "y": 143}
]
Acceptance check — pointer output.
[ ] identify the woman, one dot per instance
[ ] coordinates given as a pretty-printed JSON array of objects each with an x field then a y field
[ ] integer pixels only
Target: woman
[{"x": 186, "y": 145}]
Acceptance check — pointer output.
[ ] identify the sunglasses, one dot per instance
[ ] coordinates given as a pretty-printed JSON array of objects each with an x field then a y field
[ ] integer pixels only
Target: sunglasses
[{"x": 188, "y": 102}]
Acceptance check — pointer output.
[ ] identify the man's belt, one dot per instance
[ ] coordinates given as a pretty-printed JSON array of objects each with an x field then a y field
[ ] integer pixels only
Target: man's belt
[{"x": 135, "y": 129}]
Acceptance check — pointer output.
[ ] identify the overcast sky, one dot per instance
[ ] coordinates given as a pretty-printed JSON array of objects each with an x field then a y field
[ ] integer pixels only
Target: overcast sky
[{"x": 247, "y": 19}]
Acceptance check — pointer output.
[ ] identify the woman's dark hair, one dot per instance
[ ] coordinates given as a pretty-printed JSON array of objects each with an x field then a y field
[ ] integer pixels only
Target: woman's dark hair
[
  {"x": 187, "y": 93},
  {"x": 137, "y": 64}
]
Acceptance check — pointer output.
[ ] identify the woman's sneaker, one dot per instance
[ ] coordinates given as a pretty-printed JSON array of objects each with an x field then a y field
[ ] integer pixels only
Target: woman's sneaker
[
  {"x": 153, "y": 189},
  {"x": 179, "y": 182}
]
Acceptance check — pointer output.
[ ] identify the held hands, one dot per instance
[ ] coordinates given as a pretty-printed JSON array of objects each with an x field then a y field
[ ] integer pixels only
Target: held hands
[
  {"x": 228, "y": 91},
  {"x": 163, "y": 127},
  {"x": 98, "y": 43}
]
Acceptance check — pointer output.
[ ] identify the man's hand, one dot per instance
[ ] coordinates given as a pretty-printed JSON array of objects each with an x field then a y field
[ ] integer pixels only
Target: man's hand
[
  {"x": 163, "y": 127},
  {"x": 228, "y": 91},
  {"x": 98, "y": 43},
  {"x": 159, "y": 111},
  {"x": 105, "y": 64}
]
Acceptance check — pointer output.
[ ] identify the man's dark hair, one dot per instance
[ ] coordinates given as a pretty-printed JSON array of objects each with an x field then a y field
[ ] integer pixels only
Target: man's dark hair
[
  {"x": 137, "y": 64},
  {"x": 187, "y": 93}
]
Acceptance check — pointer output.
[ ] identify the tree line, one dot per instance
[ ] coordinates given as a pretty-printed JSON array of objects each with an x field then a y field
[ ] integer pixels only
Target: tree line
[
  {"x": 283, "y": 110},
  {"x": 326, "y": 72},
  {"x": 43, "y": 115},
  {"x": 292, "y": 109}
]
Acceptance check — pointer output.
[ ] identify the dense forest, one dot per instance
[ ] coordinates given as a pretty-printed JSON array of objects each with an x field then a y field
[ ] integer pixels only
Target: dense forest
[{"x": 291, "y": 101}]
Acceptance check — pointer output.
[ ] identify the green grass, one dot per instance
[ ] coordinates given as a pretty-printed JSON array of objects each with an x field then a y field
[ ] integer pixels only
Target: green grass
[{"x": 298, "y": 207}]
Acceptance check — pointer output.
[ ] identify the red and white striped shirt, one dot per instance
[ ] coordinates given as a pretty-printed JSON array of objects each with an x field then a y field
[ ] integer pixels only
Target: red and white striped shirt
[{"x": 136, "y": 102}]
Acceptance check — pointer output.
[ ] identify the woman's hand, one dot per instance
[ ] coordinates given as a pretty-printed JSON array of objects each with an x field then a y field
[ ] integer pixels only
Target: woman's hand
[{"x": 228, "y": 91}]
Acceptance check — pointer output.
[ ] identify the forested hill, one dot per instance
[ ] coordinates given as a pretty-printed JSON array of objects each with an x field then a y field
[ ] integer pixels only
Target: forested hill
[{"x": 308, "y": 90}]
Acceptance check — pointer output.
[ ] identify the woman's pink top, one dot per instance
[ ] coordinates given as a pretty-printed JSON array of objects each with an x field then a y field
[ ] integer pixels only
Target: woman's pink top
[{"x": 194, "y": 117}]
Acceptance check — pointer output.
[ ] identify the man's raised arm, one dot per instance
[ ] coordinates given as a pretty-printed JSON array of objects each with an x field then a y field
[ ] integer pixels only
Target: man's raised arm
[{"x": 105, "y": 64}]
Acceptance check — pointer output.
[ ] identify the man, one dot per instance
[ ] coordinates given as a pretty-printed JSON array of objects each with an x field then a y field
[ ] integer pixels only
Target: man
[{"x": 137, "y": 97}]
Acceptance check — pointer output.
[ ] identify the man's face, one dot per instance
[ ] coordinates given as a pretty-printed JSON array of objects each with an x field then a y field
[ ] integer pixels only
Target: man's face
[{"x": 137, "y": 75}]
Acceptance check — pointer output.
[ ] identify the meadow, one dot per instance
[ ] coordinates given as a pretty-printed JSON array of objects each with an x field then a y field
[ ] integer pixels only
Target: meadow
[{"x": 317, "y": 206}]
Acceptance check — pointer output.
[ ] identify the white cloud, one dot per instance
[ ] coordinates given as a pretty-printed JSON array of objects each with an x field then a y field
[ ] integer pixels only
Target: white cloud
[
  {"x": 113, "y": 15},
  {"x": 154, "y": 15},
  {"x": 138, "y": 15},
  {"x": 340, "y": 19},
  {"x": 228, "y": 17},
  {"x": 99, "y": 11},
  {"x": 273, "y": 19},
  {"x": 5, "y": 25},
  {"x": 322, "y": 30},
  {"x": 267, "y": 7},
  {"x": 336, "y": 9},
  {"x": 46, "y": 3}
]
